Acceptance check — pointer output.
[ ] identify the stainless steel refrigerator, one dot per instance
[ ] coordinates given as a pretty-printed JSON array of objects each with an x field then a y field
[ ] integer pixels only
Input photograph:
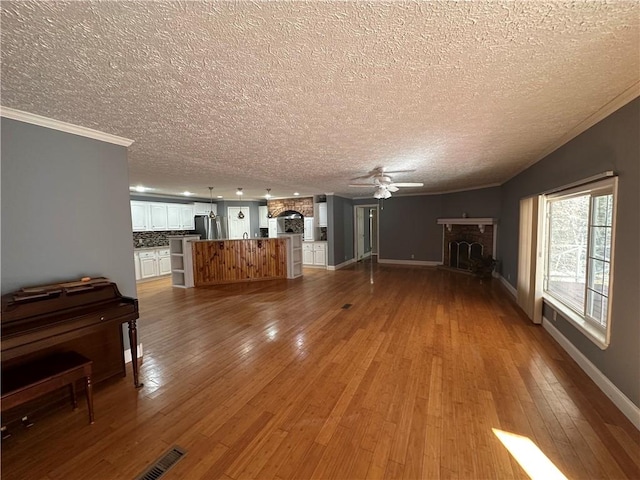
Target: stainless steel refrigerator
[{"x": 209, "y": 228}]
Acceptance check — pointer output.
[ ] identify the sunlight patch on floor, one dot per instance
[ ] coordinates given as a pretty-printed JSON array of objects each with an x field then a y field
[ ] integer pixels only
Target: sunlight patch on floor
[{"x": 529, "y": 456}]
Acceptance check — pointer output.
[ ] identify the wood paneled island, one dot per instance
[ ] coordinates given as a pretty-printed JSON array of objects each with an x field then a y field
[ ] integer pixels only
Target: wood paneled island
[{"x": 229, "y": 261}]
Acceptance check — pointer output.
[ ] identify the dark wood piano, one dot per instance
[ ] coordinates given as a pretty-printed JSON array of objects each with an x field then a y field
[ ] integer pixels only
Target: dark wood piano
[{"x": 83, "y": 316}]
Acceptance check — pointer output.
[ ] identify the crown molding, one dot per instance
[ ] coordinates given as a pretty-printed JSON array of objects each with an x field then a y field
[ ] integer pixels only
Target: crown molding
[
  {"x": 607, "y": 109},
  {"x": 46, "y": 122}
]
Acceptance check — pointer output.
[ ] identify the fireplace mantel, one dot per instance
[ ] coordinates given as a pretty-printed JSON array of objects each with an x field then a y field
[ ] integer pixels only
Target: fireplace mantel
[{"x": 480, "y": 222}]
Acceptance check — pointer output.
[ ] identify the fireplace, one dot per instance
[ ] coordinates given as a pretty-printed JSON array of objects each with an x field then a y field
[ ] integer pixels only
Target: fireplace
[{"x": 465, "y": 240}]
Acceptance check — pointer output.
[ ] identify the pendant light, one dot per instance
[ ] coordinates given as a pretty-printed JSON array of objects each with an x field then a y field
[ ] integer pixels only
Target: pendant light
[
  {"x": 268, "y": 196},
  {"x": 211, "y": 214},
  {"x": 239, "y": 193}
]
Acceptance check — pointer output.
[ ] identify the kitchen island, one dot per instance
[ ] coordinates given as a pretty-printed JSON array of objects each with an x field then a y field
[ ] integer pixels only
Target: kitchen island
[{"x": 230, "y": 261}]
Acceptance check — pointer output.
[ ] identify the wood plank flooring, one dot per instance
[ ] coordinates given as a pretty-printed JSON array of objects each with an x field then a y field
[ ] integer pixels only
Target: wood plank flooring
[{"x": 276, "y": 380}]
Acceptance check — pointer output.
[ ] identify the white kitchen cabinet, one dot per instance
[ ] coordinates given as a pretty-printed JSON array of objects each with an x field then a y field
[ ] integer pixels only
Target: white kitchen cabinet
[
  {"x": 263, "y": 211},
  {"x": 320, "y": 254},
  {"x": 136, "y": 264},
  {"x": 309, "y": 229},
  {"x": 174, "y": 216},
  {"x": 140, "y": 216},
  {"x": 164, "y": 261},
  {"x": 201, "y": 208},
  {"x": 186, "y": 217},
  {"x": 307, "y": 253},
  {"x": 314, "y": 254},
  {"x": 322, "y": 214},
  {"x": 158, "y": 216},
  {"x": 273, "y": 227},
  {"x": 148, "y": 264}
]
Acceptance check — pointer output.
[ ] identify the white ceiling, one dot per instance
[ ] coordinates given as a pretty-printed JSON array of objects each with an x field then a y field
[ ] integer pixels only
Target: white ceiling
[{"x": 302, "y": 96}]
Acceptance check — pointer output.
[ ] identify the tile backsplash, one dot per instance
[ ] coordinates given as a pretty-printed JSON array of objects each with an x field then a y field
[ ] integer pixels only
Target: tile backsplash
[{"x": 155, "y": 239}]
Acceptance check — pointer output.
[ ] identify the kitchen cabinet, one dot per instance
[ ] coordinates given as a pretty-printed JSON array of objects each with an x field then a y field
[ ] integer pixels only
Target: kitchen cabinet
[
  {"x": 309, "y": 229},
  {"x": 314, "y": 254},
  {"x": 153, "y": 262},
  {"x": 136, "y": 264},
  {"x": 174, "y": 217},
  {"x": 148, "y": 264},
  {"x": 307, "y": 253},
  {"x": 158, "y": 214},
  {"x": 201, "y": 208},
  {"x": 140, "y": 216},
  {"x": 186, "y": 216},
  {"x": 320, "y": 254},
  {"x": 263, "y": 219},
  {"x": 322, "y": 214},
  {"x": 164, "y": 261}
]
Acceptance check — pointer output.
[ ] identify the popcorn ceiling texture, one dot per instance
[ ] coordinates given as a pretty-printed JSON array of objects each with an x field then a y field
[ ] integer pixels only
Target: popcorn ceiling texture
[{"x": 305, "y": 95}]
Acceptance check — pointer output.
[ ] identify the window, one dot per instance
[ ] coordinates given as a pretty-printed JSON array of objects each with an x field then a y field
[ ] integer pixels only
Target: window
[{"x": 579, "y": 255}]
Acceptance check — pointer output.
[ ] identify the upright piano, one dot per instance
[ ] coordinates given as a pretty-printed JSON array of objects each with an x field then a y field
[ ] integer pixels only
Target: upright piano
[{"x": 83, "y": 316}]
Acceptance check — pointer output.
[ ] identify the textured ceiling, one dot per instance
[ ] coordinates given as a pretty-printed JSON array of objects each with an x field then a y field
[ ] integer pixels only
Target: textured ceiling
[{"x": 305, "y": 95}]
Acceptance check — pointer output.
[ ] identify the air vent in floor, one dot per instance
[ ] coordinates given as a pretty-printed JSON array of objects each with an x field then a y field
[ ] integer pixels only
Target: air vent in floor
[
  {"x": 346, "y": 306},
  {"x": 163, "y": 464}
]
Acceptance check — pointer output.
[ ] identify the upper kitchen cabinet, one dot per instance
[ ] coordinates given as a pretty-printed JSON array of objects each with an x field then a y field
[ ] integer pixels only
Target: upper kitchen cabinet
[
  {"x": 159, "y": 216},
  {"x": 321, "y": 214},
  {"x": 186, "y": 215},
  {"x": 174, "y": 216},
  {"x": 156, "y": 216},
  {"x": 140, "y": 216},
  {"x": 201, "y": 208},
  {"x": 263, "y": 212}
]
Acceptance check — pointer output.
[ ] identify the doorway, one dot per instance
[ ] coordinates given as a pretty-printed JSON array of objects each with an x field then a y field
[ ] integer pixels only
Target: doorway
[{"x": 365, "y": 231}]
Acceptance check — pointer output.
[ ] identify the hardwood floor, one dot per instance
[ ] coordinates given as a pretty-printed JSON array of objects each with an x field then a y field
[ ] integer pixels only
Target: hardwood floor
[{"x": 277, "y": 380}]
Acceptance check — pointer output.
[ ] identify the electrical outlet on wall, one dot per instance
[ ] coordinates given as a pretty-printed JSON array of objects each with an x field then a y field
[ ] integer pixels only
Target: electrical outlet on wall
[
  {"x": 554, "y": 317},
  {"x": 412, "y": 256}
]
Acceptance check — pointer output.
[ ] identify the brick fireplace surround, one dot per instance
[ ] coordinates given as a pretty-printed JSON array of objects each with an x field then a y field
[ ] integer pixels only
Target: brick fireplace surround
[{"x": 470, "y": 230}]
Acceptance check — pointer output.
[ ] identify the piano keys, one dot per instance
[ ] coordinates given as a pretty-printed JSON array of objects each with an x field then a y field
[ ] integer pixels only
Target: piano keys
[{"x": 84, "y": 316}]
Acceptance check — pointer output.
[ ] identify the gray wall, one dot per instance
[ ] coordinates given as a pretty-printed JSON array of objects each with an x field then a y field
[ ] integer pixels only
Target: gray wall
[
  {"x": 408, "y": 224},
  {"x": 339, "y": 229},
  {"x": 65, "y": 209},
  {"x": 612, "y": 144}
]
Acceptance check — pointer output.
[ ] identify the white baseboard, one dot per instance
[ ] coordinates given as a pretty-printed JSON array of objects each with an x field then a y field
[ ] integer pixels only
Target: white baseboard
[
  {"x": 626, "y": 406},
  {"x": 510, "y": 288},
  {"x": 127, "y": 354},
  {"x": 422, "y": 263},
  {"x": 341, "y": 265}
]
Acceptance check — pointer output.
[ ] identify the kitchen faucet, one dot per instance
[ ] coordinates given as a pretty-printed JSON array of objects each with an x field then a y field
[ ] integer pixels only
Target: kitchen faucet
[{"x": 245, "y": 236}]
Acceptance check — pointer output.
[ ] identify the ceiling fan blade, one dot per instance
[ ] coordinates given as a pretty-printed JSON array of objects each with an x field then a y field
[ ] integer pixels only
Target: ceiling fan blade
[
  {"x": 408, "y": 184},
  {"x": 390, "y": 172},
  {"x": 392, "y": 188},
  {"x": 362, "y": 177},
  {"x": 367, "y": 185}
]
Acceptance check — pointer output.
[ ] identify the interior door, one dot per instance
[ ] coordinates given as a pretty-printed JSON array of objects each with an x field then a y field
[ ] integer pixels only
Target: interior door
[
  {"x": 360, "y": 232},
  {"x": 238, "y": 226}
]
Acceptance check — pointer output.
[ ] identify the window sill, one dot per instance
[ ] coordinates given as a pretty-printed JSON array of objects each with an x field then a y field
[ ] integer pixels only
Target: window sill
[{"x": 592, "y": 333}]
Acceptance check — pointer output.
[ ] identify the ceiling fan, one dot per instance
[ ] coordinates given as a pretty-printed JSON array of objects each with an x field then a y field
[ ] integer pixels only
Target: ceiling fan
[{"x": 383, "y": 183}]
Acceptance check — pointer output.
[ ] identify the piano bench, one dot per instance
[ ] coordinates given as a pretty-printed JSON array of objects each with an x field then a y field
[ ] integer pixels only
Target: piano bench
[{"x": 31, "y": 380}]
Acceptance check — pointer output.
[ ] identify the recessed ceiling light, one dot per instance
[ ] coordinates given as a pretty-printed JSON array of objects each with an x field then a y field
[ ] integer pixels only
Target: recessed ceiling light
[
  {"x": 220, "y": 196},
  {"x": 140, "y": 188},
  {"x": 296, "y": 193},
  {"x": 187, "y": 194}
]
